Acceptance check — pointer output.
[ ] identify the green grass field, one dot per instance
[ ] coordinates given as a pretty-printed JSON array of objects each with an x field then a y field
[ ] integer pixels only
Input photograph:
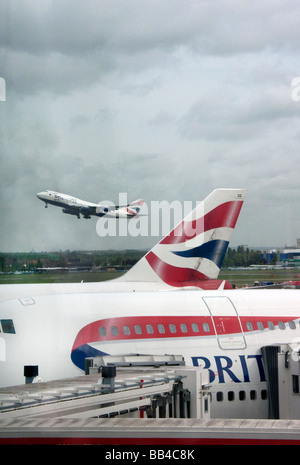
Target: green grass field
[
  {"x": 247, "y": 277},
  {"x": 33, "y": 278},
  {"x": 238, "y": 277}
]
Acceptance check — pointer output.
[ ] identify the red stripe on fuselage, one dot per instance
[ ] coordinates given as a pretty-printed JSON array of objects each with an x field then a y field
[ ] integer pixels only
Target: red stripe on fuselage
[
  {"x": 138, "y": 327},
  {"x": 91, "y": 333}
]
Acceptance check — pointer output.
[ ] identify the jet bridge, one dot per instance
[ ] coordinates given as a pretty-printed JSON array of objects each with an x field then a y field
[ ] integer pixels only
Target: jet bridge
[
  {"x": 123, "y": 402},
  {"x": 282, "y": 367},
  {"x": 153, "y": 390}
]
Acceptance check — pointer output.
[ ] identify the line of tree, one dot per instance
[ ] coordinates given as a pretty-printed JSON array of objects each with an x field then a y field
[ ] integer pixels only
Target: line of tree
[
  {"x": 242, "y": 256},
  {"x": 31, "y": 261},
  {"x": 21, "y": 261}
]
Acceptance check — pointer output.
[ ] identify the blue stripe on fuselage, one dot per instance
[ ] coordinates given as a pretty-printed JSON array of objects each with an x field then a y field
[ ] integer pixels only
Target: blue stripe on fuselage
[{"x": 79, "y": 355}]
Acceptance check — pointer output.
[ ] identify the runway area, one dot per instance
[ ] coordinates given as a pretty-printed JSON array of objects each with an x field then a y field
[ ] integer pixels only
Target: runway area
[{"x": 239, "y": 277}]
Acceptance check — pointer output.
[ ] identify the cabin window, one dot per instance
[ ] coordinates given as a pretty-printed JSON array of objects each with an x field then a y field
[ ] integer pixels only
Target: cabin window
[
  {"x": 264, "y": 394},
  {"x": 260, "y": 325},
  {"x": 219, "y": 396},
  {"x": 8, "y": 326},
  {"x": 206, "y": 327},
  {"x": 292, "y": 324},
  {"x": 242, "y": 395},
  {"x": 149, "y": 329},
  {"x": 183, "y": 328},
  {"x": 195, "y": 328},
  {"x": 114, "y": 331},
  {"x": 138, "y": 329},
  {"x": 281, "y": 325},
  {"x": 295, "y": 380},
  {"x": 249, "y": 326},
  {"x": 206, "y": 405},
  {"x": 161, "y": 329},
  {"x": 126, "y": 330},
  {"x": 271, "y": 325},
  {"x": 102, "y": 331},
  {"x": 172, "y": 328},
  {"x": 230, "y": 396}
]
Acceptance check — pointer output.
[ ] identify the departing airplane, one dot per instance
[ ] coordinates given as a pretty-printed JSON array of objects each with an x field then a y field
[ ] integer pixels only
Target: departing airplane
[
  {"x": 73, "y": 206},
  {"x": 179, "y": 307}
]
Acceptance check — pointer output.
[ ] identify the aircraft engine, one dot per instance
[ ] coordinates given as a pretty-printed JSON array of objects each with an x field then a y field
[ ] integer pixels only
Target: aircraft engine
[
  {"x": 69, "y": 212},
  {"x": 84, "y": 210},
  {"x": 102, "y": 209}
]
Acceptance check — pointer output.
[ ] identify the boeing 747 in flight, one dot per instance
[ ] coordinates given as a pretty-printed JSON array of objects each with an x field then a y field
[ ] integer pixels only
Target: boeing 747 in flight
[{"x": 73, "y": 206}]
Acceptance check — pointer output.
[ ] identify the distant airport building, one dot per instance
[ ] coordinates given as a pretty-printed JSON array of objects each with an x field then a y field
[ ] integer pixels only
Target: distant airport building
[{"x": 289, "y": 256}]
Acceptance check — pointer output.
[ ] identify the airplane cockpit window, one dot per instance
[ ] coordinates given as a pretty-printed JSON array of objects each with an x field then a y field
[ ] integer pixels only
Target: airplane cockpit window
[{"x": 8, "y": 326}]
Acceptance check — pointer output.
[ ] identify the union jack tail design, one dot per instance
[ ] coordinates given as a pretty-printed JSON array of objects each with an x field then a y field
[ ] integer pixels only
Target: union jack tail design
[
  {"x": 192, "y": 253},
  {"x": 134, "y": 207}
]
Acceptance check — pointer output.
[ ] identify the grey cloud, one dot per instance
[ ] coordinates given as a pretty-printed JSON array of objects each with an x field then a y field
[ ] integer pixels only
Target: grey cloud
[
  {"x": 54, "y": 46},
  {"x": 162, "y": 118},
  {"x": 162, "y": 100},
  {"x": 238, "y": 114}
]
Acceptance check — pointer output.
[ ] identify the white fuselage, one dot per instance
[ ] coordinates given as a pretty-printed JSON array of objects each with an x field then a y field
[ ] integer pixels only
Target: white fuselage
[
  {"x": 74, "y": 206},
  {"x": 63, "y": 200},
  {"x": 58, "y": 326}
]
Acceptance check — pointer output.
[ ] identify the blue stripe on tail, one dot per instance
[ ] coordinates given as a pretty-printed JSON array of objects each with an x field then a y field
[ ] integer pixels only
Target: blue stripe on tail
[{"x": 214, "y": 250}]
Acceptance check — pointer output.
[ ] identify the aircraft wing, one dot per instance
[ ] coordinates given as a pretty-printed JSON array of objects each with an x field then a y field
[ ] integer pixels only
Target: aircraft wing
[
  {"x": 113, "y": 211},
  {"x": 120, "y": 211},
  {"x": 76, "y": 210}
]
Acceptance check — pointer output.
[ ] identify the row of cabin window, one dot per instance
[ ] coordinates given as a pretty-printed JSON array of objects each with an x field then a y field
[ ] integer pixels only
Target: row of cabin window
[
  {"x": 271, "y": 325},
  {"x": 242, "y": 395},
  {"x": 183, "y": 328},
  {"x": 150, "y": 330}
]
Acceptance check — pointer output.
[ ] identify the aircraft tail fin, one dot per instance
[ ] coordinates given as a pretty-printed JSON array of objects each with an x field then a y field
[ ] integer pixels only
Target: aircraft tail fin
[
  {"x": 136, "y": 202},
  {"x": 192, "y": 253},
  {"x": 134, "y": 207}
]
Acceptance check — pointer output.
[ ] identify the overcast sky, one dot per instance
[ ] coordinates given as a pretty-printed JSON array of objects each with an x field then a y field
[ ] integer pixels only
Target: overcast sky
[{"x": 159, "y": 99}]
